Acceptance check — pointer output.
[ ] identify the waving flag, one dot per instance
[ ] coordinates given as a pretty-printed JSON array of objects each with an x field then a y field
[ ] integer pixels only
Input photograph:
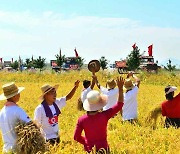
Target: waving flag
[
  {"x": 150, "y": 50},
  {"x": 76, "y": 54},
  {"x": 134, "y": 46}
]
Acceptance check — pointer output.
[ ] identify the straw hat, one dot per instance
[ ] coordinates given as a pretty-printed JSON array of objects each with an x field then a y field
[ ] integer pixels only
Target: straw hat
[
  {"x": 128, "y": 84},
  {"x": 94, "y": 101},
  {"x": 111, "y": 84},
  {"x": 94, "y": 66},
  {"x": 46, "y": 88},
  {"x": 10, "y": 90}
]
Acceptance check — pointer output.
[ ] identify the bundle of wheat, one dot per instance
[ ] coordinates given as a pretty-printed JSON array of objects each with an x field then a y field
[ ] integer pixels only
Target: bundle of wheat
[
  {"x": 80, "y": 105},
  {"x": 29, "y": 138},
  {"x": 100, "y": 151}
]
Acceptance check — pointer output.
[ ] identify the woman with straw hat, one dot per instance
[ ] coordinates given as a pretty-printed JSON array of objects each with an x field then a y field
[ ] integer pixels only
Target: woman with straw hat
[
  {"x": 94, "y": 123},
  {"x": 46, "y": 114},
  {"x": 10, "y": 114},
  {"x": 170, "y": 108}
]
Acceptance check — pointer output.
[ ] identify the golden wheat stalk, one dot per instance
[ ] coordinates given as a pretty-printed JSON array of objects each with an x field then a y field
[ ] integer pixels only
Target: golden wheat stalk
[{"x": 29, "y": 139}]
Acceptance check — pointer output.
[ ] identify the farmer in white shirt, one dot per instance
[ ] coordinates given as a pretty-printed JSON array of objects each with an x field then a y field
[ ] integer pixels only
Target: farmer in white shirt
[
  {"x": 46, "y": 114},
  {"x": 111, "y": 91},
  {"x": 87, "y": 88},
  {"x": 129, "y": 110},
  {"x": 10, "y": 114}
]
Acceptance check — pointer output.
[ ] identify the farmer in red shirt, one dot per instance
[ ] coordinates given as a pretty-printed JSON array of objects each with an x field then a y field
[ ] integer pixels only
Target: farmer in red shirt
[
  {"x": 169, "y": 108},
  {"x": 94, "y": 123}
]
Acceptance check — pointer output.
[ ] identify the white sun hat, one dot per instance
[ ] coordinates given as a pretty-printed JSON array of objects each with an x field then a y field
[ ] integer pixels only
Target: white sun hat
[
  {"x": 94, "y": 101},
  {"x": 171, "y": 89}
]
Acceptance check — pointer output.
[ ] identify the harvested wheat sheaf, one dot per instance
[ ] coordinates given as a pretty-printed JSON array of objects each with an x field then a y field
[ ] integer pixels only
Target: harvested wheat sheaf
[{"x": 29, "y": 138}]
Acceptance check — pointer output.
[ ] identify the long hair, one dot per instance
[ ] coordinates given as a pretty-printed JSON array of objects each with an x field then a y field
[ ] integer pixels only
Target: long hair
[{"x": 169, "y": 96}]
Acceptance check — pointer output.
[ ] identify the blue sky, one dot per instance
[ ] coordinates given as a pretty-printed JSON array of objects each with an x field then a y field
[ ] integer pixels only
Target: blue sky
[{"x": 95, "y": 27}]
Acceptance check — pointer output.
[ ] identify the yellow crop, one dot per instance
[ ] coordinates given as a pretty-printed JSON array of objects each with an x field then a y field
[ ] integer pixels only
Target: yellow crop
[{"x": 123, "y": 138}]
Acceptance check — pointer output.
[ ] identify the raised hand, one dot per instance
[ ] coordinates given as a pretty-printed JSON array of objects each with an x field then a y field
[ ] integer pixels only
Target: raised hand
[
  {"x": 120, "y": 82},
  {"x": 94, "y": 77}
]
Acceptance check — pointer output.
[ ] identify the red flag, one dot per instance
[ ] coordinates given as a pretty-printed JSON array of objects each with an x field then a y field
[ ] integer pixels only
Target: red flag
[
  {"x": 1, "y": 60},
  {"x": 76, "y": 54},
  {"x": 150, "y": 50},
  {"x": 134, "y": 46}
]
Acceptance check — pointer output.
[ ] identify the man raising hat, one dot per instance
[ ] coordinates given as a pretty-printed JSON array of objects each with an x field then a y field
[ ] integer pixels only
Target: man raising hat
[
  {"x": 10, "y": 114},
  {"x": 129, "y": 110},
  {"x": 46, "y": 114},
  {"x": 93, "y": 66}
]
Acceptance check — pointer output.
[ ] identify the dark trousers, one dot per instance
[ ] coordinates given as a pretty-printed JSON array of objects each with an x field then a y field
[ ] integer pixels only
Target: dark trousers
[
  {"x": 132, "y": 121},
  {"x": 54, "y": 141},
  {"x": 174, "y": 122}
]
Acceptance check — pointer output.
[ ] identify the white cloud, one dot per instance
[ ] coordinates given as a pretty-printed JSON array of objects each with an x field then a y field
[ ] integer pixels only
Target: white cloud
[{"x": 25, "y": 33}]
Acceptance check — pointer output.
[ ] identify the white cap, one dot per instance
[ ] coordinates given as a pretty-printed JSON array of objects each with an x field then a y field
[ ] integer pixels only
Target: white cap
[{"x": 171, "y": 89}]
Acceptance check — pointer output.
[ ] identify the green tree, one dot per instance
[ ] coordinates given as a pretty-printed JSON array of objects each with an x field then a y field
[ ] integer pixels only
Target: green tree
[
  {"x": 29, "y": 63},
  {"x": 80, "y": 61},
  {"x": 39, "y": 63},
  {"x": 15, "y": 65},
  {"x": 60, "y": 60},
  {"x": 133, "y": 60},
  {"x": 169, "y": 66},
  {"x": 103, "y": 62}
]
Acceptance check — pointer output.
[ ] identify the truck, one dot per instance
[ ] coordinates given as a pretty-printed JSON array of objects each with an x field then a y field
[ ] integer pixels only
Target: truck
[
  {"x": 70, "y": 63},
  {"x": 146, "y": 63}
]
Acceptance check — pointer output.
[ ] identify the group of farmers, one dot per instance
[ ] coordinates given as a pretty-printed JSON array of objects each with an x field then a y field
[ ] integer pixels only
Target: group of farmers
[{"x": 100, "y": 106}]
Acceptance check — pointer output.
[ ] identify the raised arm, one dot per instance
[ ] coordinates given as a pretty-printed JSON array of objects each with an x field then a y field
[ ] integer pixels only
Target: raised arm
[
  {"x": 96, "y": 81},
  {"x": 130, "y": 74},
  {"x": 120, "y": 83},
  {"x": 72, "y": 92},
  {"x": 93, "y": 80}
]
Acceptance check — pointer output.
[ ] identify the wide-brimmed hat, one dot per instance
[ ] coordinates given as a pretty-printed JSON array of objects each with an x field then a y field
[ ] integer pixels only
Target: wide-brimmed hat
[
  {"x": 10, "y": 90},
  {"x": 94, "y": 101},
  {"x": 46, "y": 88},
  {"x": 94, "y": 66},
  {"x": 111, "y": 84},
  {"x": 170, "y": 89},
  {"x": 128, "y": 84}
]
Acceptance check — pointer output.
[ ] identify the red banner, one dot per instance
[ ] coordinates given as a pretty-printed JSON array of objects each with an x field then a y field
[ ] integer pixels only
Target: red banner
[
  {"x": 150, "y": 50},
  {"x": 134, "y": 46}
]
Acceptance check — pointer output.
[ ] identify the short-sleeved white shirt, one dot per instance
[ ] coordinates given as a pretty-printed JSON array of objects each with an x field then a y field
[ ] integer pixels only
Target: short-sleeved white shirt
[
  {"x": 129, "y": 110},
  {"x": 112, "y": 95},
  {"x": 84, "y": 93},
  {"x": 9, "y": 115},
  {"x": 48, "y": 129}
]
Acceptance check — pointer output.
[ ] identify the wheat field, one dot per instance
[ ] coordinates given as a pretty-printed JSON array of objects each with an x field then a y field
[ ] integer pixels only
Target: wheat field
[{"x": 123, "y": 138}]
